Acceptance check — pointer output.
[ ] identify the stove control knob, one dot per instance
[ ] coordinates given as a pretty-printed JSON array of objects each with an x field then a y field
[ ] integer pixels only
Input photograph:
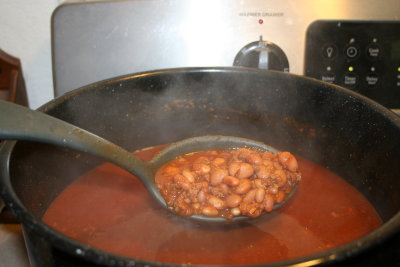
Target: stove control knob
[{"x": 262, "y": 55}]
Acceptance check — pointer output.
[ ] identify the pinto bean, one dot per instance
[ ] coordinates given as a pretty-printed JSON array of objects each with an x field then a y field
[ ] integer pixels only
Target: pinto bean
[
  {"x": 254, "y": 158},
  {"x": 232, "y": 201},
  {"x": 235, "y": 212},
  {"x": 202, "y": 159},
  {"x": 243, "y": 152},
  {"x": 268, "y": 202},
  {"x": 249, "y": 197},
  {"x": 171, "y": 170},
  {"x": 243, "y": 187},
  {"x": 201, "y": 168},
  {"x": 216, "y": 202},
  {"x": 259, "y": 195},
  {"x": 209, "y": 211},
  {"x": 202, "y": 196},
  {"x": 246, "y": 170},
  {"x": 219, "y": 161},
  {"x": 288, "y": 160},
  {"x": 273, "y": 189},
  {"x": 263, "y": 172},
  {"x": 230, "y": 180},
  {"x": 189, "y": 175},
  {"x": 217, "y": 176},
  {"x": 233, "y": 168},
  {"x": 223, "y": 188},
  {"x": 292, "y": 165},
  {"x": 196, "y": 206},
  {"x": 280, "y": 196}
]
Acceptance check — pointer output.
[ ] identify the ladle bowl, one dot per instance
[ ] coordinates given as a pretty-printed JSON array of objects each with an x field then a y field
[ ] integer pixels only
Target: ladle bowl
[{"x": 21, "y": 123}]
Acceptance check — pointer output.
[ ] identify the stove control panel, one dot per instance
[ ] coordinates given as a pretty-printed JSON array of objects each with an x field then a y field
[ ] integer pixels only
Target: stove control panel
[{"x": 359, "y": 55}]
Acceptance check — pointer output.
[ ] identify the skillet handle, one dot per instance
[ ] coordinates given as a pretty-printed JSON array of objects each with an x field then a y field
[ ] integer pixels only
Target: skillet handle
[{"x": 21, "y": 123}]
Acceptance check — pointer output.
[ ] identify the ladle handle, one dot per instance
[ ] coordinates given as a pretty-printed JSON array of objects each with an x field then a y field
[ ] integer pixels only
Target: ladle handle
[{"x": 21, "y": 123}]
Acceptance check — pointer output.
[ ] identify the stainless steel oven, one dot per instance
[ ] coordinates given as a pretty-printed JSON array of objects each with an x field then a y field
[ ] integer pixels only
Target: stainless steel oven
[{"x": 352, "y": 43}]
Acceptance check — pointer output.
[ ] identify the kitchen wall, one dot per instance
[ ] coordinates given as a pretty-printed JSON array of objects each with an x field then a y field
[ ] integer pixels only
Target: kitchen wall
[{"x": 25, "y": 33}]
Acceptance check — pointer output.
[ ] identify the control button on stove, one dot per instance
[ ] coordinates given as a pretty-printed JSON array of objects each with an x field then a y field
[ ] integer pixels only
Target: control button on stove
[
  {"x": 398, "y": 80},
  {"x": 350, "y": 80},
  {"x": 371, "y": 79},
  {"x": 329, "y": 51},
  {"x": 373, "y": 51},
  {"x": 351, "y": 51},
  {"x": 328, "y": 77}
]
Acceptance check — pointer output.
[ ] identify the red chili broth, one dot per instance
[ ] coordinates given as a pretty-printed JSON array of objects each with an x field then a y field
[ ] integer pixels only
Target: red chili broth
[{"x": 110, "y": 210}]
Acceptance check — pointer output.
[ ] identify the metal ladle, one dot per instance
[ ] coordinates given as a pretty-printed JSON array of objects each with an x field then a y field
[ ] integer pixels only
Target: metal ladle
[{"x": 21, "y": 123}]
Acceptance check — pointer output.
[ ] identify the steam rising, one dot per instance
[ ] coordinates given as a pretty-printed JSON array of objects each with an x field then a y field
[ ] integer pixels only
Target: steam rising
[{"x": 278, "y": 109}]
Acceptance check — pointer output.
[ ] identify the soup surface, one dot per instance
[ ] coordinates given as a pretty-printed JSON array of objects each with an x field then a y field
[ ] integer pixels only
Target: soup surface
[{"x": 109, "y": 209}]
